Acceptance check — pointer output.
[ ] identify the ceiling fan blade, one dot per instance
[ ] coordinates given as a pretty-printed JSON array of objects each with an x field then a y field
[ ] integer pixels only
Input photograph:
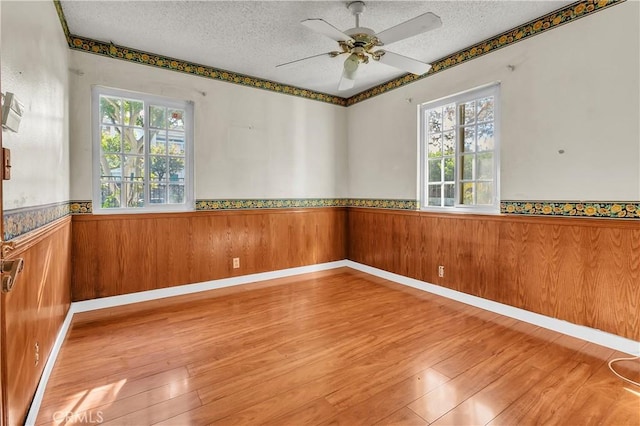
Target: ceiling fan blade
[
  {"x": 418, "y": 25},
  {"x": 304, "y": 59},
  {"x": 406, "y": 64},
  {"x": 323, "y": 27},
  {"x": 346, "y": 82}
]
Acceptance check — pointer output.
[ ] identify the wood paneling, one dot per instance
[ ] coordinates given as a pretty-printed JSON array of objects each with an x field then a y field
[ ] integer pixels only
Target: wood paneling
[
  {"x": 339, "y": 347},
  {"x": 586, "y": 271},
  {"x": 120, "y": 254},
  {"x": 35, "y": 310}
]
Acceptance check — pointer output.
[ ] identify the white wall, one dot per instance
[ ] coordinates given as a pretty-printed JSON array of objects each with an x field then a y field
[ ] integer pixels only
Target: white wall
[
  {"x": 575, "y": 88},
  {"x": 249, "y": 143},
  {"x": 35, "y": 58}
]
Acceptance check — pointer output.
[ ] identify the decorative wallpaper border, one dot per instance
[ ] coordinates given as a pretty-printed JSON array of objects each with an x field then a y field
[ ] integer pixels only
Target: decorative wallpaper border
[
  {"x": 85, "y": 207},
  {"x": 547, "y": 22},
  {"x": 595, "y": 209},
  {"x": 552, "y": 20},
  {"x": 63, "y": 20},
  {"x": 238, "y": 204},
  {"x": 20, "y": 221},
  {"x": 384, "y": 204},
  {"x": 81, "y": 207}
]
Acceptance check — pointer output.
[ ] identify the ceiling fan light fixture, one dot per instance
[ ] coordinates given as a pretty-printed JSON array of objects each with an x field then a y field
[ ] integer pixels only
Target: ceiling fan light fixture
[{"x": 351, "y": 63}]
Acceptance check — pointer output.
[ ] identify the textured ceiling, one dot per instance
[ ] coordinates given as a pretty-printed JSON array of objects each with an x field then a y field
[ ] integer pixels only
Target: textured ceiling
[{"x": 252, "y": 37}]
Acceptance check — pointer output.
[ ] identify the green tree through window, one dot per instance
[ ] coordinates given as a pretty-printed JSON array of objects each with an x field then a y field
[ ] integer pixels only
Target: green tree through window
[
  {"x": 459, "y": 142},
  {"x": 144, "y": 148}
]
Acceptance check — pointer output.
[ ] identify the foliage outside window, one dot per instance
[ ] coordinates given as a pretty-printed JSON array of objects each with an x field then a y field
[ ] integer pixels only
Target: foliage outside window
[
  {"x": 142, "y": 152},
  {"x": 460, "y": 152}
]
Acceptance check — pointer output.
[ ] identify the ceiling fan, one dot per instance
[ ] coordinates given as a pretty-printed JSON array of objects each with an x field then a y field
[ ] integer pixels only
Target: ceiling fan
[{"x": 359, "y": 43}]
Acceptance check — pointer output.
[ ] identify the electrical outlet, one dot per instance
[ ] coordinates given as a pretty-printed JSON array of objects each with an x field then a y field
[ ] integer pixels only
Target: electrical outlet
[
  {"x": 236, "y": 262},
  {"x": 441, "y": 271}
]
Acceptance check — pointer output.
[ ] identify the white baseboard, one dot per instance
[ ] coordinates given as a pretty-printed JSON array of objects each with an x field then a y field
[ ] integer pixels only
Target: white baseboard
[
  {"x": 585, "y": 333},
  {"x": 599, "y": 337},
  {"x": 144, "y": 296}
]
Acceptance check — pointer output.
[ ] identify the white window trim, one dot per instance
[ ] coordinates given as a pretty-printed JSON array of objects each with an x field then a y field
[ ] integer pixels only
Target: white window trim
[
  {"x": 189, "y": 204},
  {"x": 461, "y": 97}
]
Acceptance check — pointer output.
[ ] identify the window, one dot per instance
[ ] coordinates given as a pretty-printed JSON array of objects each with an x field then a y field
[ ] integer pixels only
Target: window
[
  {"x": 460, "y": 152},
  {"x": 142, "y": 152}
]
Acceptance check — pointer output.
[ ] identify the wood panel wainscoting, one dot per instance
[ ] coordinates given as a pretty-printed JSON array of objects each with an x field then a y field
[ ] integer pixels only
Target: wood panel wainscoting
[
  {"x": 118, "y": 254},
  {"x": 34, "y": 310},
  {"x": 585, "y": 271}
]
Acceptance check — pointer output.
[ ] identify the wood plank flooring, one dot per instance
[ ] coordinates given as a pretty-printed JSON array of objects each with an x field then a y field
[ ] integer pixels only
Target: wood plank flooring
[{"x": 338, "y": 347}]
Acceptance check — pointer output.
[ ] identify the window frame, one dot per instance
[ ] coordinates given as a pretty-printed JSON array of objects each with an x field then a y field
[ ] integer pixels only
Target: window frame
[
  {"x": 147, "y": 99},
  {"x": 492, "y": 89}
]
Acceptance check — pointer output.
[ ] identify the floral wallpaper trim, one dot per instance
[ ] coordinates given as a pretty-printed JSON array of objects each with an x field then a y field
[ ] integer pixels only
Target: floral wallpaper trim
[
  {"x": 85, "y": 207},
  {"x": 552, "y": 20},
  {"x": 270, "y": 203},
  {"x": 63, "y": 20},
  {"x": 596, "y": 209},
  {"x": 384, "y": 204},
  {"x": 20, "y": 221},
  {"x": 81, "y": 207},
  {"x": 138, "y": 56},
  {"x": 304, "y": 202}
]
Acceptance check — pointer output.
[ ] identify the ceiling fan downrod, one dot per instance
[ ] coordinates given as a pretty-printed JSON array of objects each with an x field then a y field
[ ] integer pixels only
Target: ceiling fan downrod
[{"x": 357, "y": 8}]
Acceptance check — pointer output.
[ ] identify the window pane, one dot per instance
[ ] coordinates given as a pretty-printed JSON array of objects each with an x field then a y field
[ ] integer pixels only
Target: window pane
[
  {"x": 469, "y": 112},
  {"x": 176, "y": 169},
  {"x": 133, "y": 141},
  {"x": 133, "y": 167},
  {"x": 449, "y": 143},
  {"x": 485, "y": 109},
  {"x": 484, "y": 193},
  {"x": 467, "y": 167},
  {"x": 449, "y": 116},
  {"x": 485, "y": 166},
  {"x": 434, "y": 195},
  {"x": 485, "y": 137},
  {"x": 110, "y": 166},
  {"x": 133, "y": 113},
  {"x": 176, "y": 119},
  {"x": 449, "y": 169},
  {"x": 157, "y": 193},
  {"x": 111, "y": 139},
  {"x": 158, "y": 143},
  {"x": 110, "y": 110},
  {"x": 469, "y": 139},
  {"x": 158, "y": 168},
  {"x": 467, "y": 193},
  {"x": 176, "y": 143},
  {"x": 158, "y": 117},
  {"x": 435, "y": 170},
  {"x": 460, "y": 143},
  {"x": 110, "y": 195},
  {"x": 134, "y": 194},
  {"x": 176, "y": 194},
  {"x": 435, "y": 120},
  {"x": 435, "y": 145},
  {"x": 449, "y": 194}
]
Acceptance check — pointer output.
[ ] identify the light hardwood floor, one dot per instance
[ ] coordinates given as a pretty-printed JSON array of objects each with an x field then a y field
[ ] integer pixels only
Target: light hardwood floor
[{"x": 336, "y": 347}]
